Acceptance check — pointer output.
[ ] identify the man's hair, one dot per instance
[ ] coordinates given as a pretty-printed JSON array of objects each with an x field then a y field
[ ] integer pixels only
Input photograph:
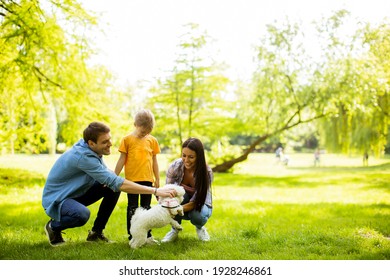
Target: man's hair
[
  {"x": 144, "y": 118},
  {"x": 94, "y": 130}
]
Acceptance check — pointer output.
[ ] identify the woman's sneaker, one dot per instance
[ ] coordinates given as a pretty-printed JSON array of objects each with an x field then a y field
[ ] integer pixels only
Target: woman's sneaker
[
  {"x": 55, "y": 237},
  {"x": 170, "y": 236},
  {"x": 203, "y": 234}
]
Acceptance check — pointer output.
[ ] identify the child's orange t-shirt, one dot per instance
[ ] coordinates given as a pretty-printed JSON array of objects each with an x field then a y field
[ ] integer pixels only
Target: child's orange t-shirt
[{"x": 139, "y": 157}]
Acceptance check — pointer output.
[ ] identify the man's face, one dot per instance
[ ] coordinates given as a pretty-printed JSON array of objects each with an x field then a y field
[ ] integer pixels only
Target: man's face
[{"x": 103, "y": 145}]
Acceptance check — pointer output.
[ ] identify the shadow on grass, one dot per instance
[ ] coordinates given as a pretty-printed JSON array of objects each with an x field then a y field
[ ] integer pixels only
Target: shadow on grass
[
  {"x": 239, "y": 230},
  {"x": 17, "y": 178},
  {"x": 376, "y": 177},
  {"x": 315, "y": 231}
]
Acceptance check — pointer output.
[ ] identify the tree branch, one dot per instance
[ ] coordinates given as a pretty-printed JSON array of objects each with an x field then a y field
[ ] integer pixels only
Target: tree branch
[
  {"x": 225, "y": 166},
  {"x": 37, "y": 70}
]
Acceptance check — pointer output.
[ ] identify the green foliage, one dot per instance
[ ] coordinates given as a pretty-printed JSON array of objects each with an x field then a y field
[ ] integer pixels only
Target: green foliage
[
  {"x": 221, "y": 151},
  {"x": 189, "y": 101},
  {"x": 51, "y": 92},
  {"x": 357, "y": 79}
]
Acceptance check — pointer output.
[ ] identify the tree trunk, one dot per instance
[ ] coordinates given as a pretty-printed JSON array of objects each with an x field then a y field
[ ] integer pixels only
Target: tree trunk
[
  {"x": 225, "y": 166},
  {"x": 52, "y": 129}
]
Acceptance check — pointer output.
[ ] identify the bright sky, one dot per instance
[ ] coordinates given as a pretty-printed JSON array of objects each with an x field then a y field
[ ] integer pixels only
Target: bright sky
[{"x": 142, "y": 35}]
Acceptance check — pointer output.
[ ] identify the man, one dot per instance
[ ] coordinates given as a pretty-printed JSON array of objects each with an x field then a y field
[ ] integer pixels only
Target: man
[{"x": 80, "y": 178}]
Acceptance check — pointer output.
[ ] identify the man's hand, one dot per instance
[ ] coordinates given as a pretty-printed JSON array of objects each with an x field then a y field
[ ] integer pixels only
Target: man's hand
[{"x": 166, "y": 192}]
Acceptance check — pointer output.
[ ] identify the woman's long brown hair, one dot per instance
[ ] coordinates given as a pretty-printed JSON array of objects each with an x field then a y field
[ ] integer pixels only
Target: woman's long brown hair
[{"x": 201, "y": 176}]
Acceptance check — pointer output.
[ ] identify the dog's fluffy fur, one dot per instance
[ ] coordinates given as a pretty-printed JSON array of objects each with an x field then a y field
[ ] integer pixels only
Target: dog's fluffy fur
[{"x": 156, "y": 217}]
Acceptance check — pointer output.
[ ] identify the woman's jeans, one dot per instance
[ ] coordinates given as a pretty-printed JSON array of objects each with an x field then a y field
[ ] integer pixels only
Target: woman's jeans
[
  {"x": 197, "y": 218},
  {"x": 74, "y": 212}
]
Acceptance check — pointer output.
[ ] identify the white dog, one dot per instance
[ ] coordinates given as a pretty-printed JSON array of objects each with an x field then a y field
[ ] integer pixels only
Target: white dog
[{"x": 156, "y": 217}]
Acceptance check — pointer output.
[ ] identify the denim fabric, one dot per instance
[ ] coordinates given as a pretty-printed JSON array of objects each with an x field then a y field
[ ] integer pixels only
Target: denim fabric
[
  {"x": 72, "y": 175},
  {"x": 197, "y": 218},
  {"x": 74, "y": 212}
]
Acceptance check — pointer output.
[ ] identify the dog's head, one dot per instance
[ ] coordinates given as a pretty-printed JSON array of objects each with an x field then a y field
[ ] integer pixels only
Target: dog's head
[
  {"x": 173, "y": 202},
  {"x": 179, "y": 191},
  {"x": 177, "y": 211}
]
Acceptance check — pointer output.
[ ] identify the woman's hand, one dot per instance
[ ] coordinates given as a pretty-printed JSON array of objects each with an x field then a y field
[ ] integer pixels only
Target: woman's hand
[{"x": 188, "y": 206}]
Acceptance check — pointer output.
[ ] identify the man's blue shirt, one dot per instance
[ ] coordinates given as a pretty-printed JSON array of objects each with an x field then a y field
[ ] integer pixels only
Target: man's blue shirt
[{"x": 73, "y": 174}]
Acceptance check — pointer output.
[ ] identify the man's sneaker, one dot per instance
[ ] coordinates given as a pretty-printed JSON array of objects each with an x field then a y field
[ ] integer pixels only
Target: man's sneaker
[
  {"x": 95, "y": 236},
  {"x": 203, "y": 234},
  {"x": 170, "y": 236},
  {"x": 55, "y": 237}
]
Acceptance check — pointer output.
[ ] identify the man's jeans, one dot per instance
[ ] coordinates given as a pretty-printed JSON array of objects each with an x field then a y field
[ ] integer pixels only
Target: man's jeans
[{"x": 74, "y": 212}]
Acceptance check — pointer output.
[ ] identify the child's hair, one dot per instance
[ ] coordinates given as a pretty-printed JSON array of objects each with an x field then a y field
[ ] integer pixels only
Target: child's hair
[{"x": 144, "y": 118}]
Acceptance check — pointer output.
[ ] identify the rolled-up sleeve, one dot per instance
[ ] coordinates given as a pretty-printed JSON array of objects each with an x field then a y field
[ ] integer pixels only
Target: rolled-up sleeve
[
  {"x": 175, "y": 173},
  {"x": 95, "y": 168}
]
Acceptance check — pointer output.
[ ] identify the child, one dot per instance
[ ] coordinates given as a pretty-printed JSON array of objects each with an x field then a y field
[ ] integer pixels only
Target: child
[{"x": 138, "y": 154}]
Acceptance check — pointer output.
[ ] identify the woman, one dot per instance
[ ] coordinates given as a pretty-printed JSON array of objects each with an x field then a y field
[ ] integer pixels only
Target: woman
[{"x": 192, "y": 172}]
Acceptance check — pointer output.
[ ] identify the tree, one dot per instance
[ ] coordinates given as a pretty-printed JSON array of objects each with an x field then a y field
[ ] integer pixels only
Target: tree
[
  {"x": 281, "y": 97},
  {"x": 345, "y": 92},
  {"x": 186, "y": 102},
  {"x": 361, "y": 122},
  {"x": 50, "y": 88}
]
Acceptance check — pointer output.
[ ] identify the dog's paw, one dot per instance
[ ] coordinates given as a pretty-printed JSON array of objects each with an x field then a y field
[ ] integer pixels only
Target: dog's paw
[
  {"x": 133, "y": 245},
  {"x": 179, "y": 228},
  {"x": 152, "y": 241}
]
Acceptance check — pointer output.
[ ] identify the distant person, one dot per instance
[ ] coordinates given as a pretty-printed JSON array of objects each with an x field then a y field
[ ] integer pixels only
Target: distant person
[
  {"x": 317, "y": 157},
  {"x": 138, "y": 154},
  {"x": 192, "y": 172},
  {"x": 80, "y": 178},
  {"x": 279, "y": 154},
  {"x": 365, "y": 159},
  {"x": 285, "y": 159}
]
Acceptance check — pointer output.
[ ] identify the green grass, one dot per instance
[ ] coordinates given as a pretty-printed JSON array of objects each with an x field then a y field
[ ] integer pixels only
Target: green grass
[{"x": 339, "y": 211}]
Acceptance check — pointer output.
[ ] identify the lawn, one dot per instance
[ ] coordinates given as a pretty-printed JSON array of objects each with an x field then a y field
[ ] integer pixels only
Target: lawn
[{"x": 262, "y": 211}]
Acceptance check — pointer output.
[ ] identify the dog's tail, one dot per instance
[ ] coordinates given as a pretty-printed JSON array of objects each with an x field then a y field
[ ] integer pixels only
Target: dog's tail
[{"x": 138, "y": 213}]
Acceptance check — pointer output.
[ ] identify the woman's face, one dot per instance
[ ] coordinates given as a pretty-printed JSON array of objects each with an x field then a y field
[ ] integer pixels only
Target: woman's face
[{"x": 189, "y": 158}]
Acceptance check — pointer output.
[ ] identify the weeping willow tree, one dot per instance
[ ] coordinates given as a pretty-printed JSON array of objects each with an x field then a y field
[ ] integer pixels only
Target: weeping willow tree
[
  {"x": 343, "y": 90},
  {"x": 360, "y": 121},
  {"x": 280, "y": 97}
]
